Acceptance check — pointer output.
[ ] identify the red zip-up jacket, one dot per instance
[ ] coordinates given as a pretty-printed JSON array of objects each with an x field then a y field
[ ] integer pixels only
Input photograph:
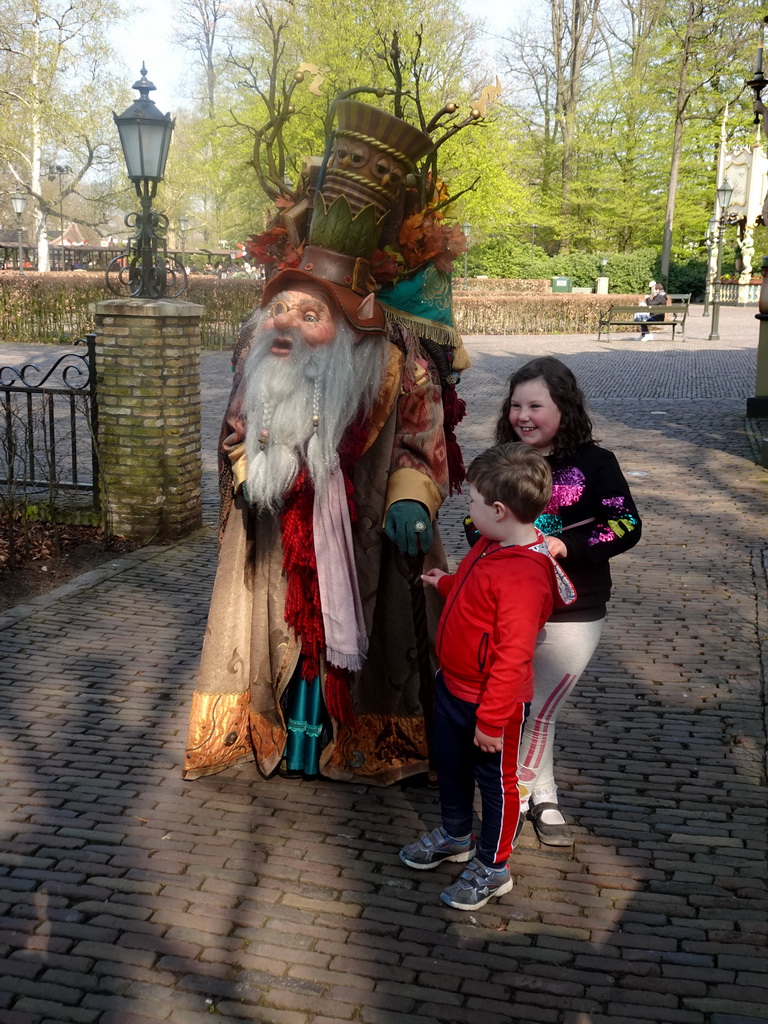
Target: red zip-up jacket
[{"x": 495, "y": 605}]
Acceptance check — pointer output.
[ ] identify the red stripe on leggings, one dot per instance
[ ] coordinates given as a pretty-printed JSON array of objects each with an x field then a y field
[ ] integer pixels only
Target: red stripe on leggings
[{"x": 536, "y": 750}]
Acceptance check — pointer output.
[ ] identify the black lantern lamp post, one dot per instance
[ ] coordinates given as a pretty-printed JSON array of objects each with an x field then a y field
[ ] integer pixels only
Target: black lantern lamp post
[
  {"x": 19, "y": 203},
  {"x": 724, "y": 196},
  {"x": 145, "y": 268},
  {"x": 59, "y": 170},
  {"x": 758, "y": 81}
]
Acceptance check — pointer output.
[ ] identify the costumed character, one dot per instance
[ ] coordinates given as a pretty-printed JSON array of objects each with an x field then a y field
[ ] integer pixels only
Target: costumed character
[{"x": 334, "y": 465}]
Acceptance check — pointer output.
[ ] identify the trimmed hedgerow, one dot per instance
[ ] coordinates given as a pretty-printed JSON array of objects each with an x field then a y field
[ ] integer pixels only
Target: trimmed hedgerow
[
  {"x": 55, "y": 308},
  {"x": 532, "y": 314}
]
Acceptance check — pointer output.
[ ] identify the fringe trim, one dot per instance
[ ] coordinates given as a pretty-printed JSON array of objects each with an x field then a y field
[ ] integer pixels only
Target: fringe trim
[
  {"x": 350, "y": 662},
  {"x": 423, "y": 328}
]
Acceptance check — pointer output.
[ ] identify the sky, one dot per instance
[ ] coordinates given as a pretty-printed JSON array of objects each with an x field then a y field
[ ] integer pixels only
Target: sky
[{"x": 148, "y": 34}]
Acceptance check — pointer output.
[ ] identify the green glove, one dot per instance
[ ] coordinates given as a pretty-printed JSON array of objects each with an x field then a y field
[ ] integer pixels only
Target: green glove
[{"x": 402, "y": 520}]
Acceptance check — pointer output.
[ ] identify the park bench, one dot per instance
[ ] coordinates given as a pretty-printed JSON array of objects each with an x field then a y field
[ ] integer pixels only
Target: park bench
[{"x": 675, "y": 313}]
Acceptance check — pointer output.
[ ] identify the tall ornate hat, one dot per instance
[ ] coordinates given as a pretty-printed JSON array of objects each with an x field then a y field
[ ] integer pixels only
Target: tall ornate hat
[{"x": 371, "y": 154}]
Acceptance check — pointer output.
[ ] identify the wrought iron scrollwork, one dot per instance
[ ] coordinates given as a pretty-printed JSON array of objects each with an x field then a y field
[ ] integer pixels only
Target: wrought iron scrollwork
[
  {"x": 51, "y": 423},
  {"x": 75, "y": 375},
  {"x": 145, "y": 270}
]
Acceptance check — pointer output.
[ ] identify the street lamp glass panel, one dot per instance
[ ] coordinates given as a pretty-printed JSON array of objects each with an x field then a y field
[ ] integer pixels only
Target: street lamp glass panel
[
  {"x": 183, "y": 224},
  {"x": 145, "y": 135},
  {"x": 145, "y": 145},
  {"x": 712, "y": 226},
  {"x": 466, "y": 228},
  {"x": 19, "y": 203},
  {"x": 725, "y": 194}
]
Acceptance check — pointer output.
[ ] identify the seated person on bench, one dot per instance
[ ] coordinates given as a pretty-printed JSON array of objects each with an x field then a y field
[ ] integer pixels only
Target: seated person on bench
[{"x": 657, "y": 297}]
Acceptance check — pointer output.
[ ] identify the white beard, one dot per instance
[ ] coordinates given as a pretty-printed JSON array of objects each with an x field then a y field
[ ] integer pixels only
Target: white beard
[{"x": 282, "y": 393}]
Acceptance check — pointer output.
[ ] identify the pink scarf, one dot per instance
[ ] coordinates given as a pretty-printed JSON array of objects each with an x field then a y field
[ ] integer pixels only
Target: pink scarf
[{"x": 345, "y": 637}]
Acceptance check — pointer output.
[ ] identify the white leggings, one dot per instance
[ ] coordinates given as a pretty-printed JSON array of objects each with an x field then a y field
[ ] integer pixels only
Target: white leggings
[{"x": 563, "y": 651}]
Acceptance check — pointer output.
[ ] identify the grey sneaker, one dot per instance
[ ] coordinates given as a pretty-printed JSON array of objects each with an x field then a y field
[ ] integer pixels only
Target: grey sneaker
[
  {"x": 475, "y": 886},
  {"x": 435, "y": 847}
]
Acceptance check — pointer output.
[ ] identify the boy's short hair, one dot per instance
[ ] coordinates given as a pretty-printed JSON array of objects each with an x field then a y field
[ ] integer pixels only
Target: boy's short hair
[{"x": 514, "y": 474}]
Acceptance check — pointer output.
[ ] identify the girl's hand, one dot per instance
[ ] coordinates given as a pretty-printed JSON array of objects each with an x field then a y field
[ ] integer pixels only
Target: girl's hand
[
  {"x": 431, "y": 577},
  {"x": 488, "y": 744},
  {"x": 556, "y": 547}
]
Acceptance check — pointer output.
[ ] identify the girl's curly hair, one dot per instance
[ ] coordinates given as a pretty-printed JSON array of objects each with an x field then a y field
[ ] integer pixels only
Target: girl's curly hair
[{"x": 575, "y": 428}]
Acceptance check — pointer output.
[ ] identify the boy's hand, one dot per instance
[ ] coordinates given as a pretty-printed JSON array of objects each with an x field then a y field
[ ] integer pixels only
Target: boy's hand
[
  {"x": 431, "y": 577},
  {"x": 488, "y": 744},
  {"x": 556, "y": 547}
]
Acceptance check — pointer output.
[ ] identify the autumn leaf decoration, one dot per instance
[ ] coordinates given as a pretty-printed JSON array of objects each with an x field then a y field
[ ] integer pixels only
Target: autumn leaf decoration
[
  {"x": 425, "y": 237},
  {"x": 272, "y": 247}
]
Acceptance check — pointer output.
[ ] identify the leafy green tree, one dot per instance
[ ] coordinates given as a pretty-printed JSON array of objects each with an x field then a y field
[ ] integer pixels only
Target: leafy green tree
[
  {"x": 703, "y": 37},
  {"x": 286, "y": 63},
  {"x": 56, "y": 91},
  {"x": 554, "y": 61}
]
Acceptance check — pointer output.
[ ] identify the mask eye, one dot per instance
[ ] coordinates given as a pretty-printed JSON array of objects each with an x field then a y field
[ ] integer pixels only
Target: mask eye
[
  {"x": 342, "y": 151},
  {"x": 277, "y": 308},
  {"x": 358, "y": 156},
  {"x": 381, "y": 166}
]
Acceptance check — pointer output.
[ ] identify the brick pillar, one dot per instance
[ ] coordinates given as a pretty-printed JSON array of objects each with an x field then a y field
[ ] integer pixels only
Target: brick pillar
[{"x": 148, "y": 381}]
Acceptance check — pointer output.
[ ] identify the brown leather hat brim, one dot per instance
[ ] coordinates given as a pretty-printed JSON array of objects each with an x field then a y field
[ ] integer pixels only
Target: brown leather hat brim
[{"x": 344, "y": 300}]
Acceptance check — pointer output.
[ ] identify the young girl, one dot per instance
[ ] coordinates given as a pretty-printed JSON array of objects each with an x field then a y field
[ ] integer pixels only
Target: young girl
[{"x": 590, "y": 518}]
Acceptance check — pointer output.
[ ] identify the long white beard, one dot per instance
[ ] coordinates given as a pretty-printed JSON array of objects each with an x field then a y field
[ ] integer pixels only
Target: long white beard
[{"x": 282, "y": 394}]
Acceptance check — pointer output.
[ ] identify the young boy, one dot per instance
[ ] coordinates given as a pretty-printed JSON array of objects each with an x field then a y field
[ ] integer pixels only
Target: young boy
[{"x": 495, "y": 605}]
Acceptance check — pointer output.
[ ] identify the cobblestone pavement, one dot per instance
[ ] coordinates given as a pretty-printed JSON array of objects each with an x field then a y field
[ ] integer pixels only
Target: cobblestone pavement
[{"x": 128, "y": 895}]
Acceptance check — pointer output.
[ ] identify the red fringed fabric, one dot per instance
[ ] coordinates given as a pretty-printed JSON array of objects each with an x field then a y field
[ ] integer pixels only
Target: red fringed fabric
[
  {"x": 302, "y": 595},
  {"x": 454, "y": 411},
  {"x": 337, "y": 698}
]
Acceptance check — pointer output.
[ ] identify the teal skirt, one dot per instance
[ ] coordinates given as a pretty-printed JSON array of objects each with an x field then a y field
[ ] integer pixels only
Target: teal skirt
[{"x": 309, "y": 726}]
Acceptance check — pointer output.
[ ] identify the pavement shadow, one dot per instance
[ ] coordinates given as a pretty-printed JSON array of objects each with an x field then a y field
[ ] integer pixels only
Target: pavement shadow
[
  {"x": 92, "y": 824},
  {"x": 131, "y": 895}
]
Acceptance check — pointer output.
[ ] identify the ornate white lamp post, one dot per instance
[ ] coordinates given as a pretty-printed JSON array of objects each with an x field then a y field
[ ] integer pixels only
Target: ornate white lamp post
[
  {"x": 184, "y": 226},
  {"x": 710, "y": 246}
]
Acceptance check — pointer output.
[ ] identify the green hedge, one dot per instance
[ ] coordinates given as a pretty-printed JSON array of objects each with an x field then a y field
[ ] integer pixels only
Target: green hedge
[
  {"x": 628, "y": 273},
  {"x": 532, "y": 314},
  {"x": 54, "y": 308},
  {"x": 48, "y": 308}
]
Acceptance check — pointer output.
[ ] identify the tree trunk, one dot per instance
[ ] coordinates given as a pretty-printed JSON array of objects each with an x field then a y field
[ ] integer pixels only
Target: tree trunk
[
  {"x": 573, "y": 34},
  {"x": 683, "y": 96},
  {"x": 36, "y": 156}
]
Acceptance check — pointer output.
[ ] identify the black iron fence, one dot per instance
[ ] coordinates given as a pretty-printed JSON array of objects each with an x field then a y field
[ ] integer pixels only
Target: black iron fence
[{"x": 49, "y": 429}]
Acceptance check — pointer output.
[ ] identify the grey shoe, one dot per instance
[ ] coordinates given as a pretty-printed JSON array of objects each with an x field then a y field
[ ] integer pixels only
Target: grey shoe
[
  {"x": 435, "y": 847},
  {"x": 475, "y": 886},
  {"x": 550, "y": 835}
]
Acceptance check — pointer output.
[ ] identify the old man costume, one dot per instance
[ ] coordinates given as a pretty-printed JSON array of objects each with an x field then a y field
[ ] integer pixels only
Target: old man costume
[{"x": 335, "y": 465}]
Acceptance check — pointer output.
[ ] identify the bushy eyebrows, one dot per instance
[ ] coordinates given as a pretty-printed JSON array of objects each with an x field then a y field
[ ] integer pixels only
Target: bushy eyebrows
[{"x": 310, "y": 302}]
